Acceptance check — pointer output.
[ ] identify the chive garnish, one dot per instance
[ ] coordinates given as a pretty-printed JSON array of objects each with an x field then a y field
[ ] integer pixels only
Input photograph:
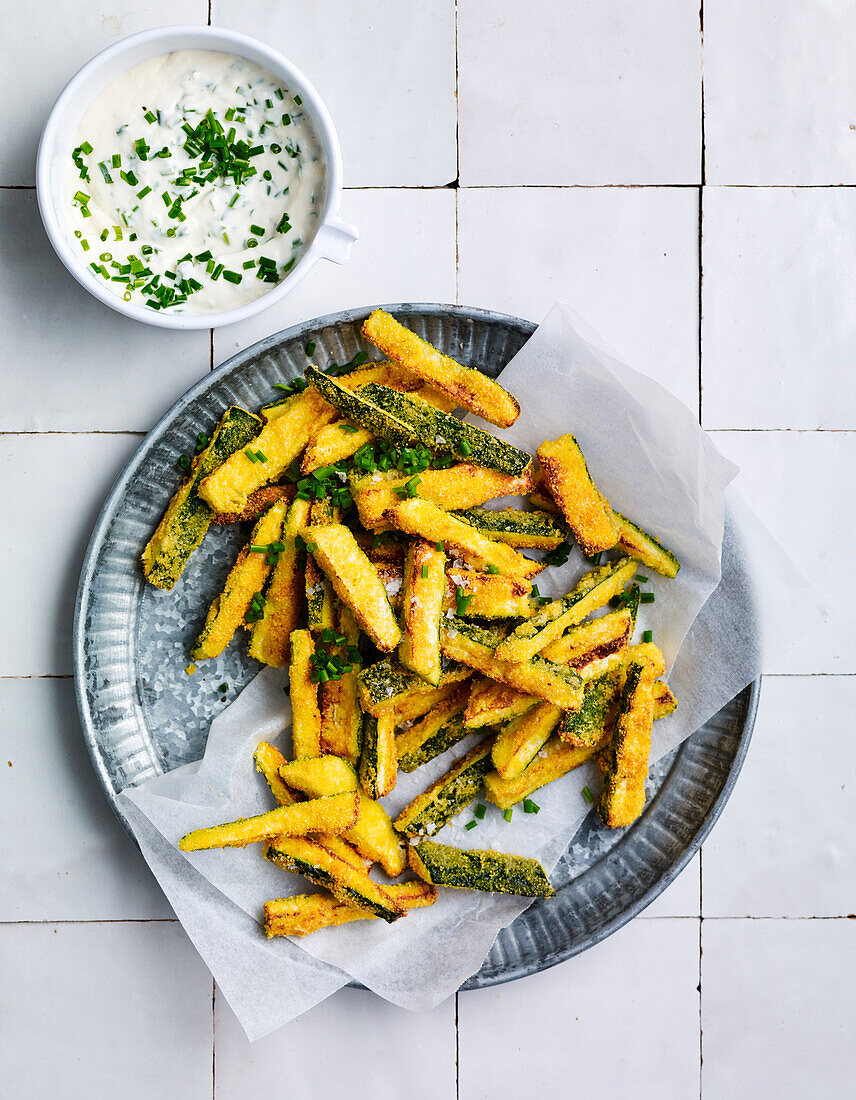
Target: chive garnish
[
  {"x": 507, "y": 814},
  {"x": 587, "y": 795},
  {"x": 310, "y": 348},
  {"x": 424, "y": 572},
  {"x": 641, "y": 579},
  {"x": 647, "y": 635},
  {"x": 480, "y": 811},
  {"x": 647, "y": 597},
  {"x": 471, "y": 824},
  {"x": 530, "y": 807}
]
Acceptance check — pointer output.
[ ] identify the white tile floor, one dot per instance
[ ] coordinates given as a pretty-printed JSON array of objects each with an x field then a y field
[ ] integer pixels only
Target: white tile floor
[{"x": 584, "y": 168}]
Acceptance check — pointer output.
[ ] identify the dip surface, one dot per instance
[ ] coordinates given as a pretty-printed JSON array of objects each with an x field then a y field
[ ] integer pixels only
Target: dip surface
[{"x": 196, "y": 183}]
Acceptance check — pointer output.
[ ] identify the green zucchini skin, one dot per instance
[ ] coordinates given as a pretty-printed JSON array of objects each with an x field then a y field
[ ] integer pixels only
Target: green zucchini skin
[
  {"x": 358, "y": 407},
  {"x": 480, "y": 869},
  {"x": 585, "y": 727},
  {"x": 322, "y": 877},
  {"x": 368, "y": 765},
  {"x": 188, "y": 517},
  {"x": 638, "y": 544},
  {"x": 489, "y": 639},
  {"x": 536, "y": 529},
  {"x": 386, "y": 681},
  {"x": 444, "y": 434},
  {"x": 429, "y": 812},
  {"x": 446, "y": 736}
]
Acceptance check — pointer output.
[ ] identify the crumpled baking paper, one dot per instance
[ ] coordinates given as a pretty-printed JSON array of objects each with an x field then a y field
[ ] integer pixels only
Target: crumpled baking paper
[{"x": 651, "y": 459}]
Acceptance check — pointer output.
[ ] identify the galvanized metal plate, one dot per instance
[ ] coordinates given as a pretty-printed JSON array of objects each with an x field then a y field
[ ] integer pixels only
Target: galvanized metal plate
[{"x": 142, "y": 715}]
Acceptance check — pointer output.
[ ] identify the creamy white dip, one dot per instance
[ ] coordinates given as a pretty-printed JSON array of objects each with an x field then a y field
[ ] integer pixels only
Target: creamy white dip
[{"x": 196, "y": 182}]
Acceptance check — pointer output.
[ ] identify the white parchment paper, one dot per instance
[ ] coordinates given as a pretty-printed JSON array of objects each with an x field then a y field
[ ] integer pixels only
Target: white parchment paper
[{"x": 651, "y": 459}]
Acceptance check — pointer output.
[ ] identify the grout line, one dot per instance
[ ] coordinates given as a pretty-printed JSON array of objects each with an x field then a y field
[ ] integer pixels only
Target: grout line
[
  {"x": 213, "y": 1034},
  {"x": 642, "y": 917},
  {"x": 700, "y": 296},
  {"x": 40, "y": 676},
  {"x": 700, "y": 1009},
  {"x": 700, "y": 954},
  {"x": 103, "y": 920},
  {"x": 457, "y": 1053},
  {"x": 91, "y": 431},
  {"x": 701, "y": 214},
  {"x": 142, "y": 432},
  {"x": 560, "y": 186}
]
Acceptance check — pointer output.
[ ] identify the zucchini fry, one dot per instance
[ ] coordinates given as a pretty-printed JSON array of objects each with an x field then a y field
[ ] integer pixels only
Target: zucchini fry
[
  {"x": 473, "y": 645},
  {"x": 440, "y": 729},
  {"x": 341, "y": 717},
  {"x": 587, "y": 513},
  {"x": 622, "y": 798},
  {"x": 589, "y": 724},
  {"x": 387, "y": 682},
  {"x": 523, "y": 738},
  {"x": 537, "y": 530},
  {"x": 257, "y": 503},
  {"x": 552, "y": 762},
  {"x": 268, "y": 761},
  {"x": 333, "y": 443},
  {"x": 479, "y": 869},
  {"x": 459, "y": 486},
  {"x": 444, "y": 434},
  {"x": 422, "y": 606},
  {"x": 540, "y": 497},
  {"x": 355, "y": 581},
  {"x": 378, "y": 760},
  {"x": 436, "y": 807},
  {"x": 305, "y": 715},
  {"x": 334, "y": 815},
  {"x": 269, "y": 637},
  {"x": 246, "y": 579},
  {"x": 304, "y": 913},
  {"x": 280, "y": 441},
  {"x": 594, "y": 647},
  {"x": 320, "y": 598},
  {"x": 421, "y": 517},
  {"x": 665, "y": 702},
  {"x": 492, "y": 703},
  {"x": 187, "y": 516},
  {"x": 551, "y": 621},
  {"x": 487, "y": 595},
  {"x": 348, "y": 884},
  {"x": 373, "y": 835},
  {"x": 638, "y": 544},
  {"x": 468, "y": 387}
]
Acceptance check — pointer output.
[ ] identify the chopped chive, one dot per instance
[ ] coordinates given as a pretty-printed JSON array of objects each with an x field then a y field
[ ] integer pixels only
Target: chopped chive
[
  {"x": 464, "y": 448},
  {"x": 232, "y": 276},
  {"x": 480, "y": 811},
  {"x": 647, "y": 597},
  {"x": 145, "y": 191},
  {"x": 492, "y": 569},
  {"x": 116, "y": 160},
  {"x": 257, "y": 230},
  {"x": 647, "y": 635},
  {"x": 310, "y": 348},
  {"x": 471, "y": 825},
  {"x": 150, "y": 117},
  {"x": 348, "y": 428},
  {"x": 424, "y": 572},
  {"x": 587, "y": 795},
  {"x": 298, "y": 100},
  {"x": 641, "y": 579},
  {"x": 507, "y": 814},
  {"x": 530, "y": 807},
  {"x": 440, "y": 545},
  {"x": 86, "y": 147}
]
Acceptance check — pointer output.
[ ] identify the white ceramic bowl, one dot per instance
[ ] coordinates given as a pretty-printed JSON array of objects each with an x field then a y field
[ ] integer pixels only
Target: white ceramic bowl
[{"x": 333, "y": 238}]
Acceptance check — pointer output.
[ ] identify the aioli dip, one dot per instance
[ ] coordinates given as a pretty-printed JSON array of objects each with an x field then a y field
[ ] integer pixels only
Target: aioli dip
[{"x": 196, "y": 182}]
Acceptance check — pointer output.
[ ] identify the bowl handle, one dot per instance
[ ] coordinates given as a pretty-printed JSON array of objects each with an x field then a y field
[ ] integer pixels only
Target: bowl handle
[{"x": 334, "y": 240}]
